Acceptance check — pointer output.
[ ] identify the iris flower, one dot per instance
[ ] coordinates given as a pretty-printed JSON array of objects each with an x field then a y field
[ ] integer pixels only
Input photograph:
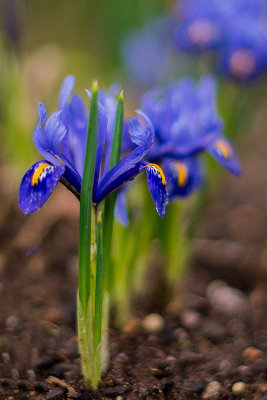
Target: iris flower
[
  {"x": 186, "y": 124},
  {"x": 145, "y": 54},
  {"x": 236, "y": 30},
  {"x": 61, "y": 140}
]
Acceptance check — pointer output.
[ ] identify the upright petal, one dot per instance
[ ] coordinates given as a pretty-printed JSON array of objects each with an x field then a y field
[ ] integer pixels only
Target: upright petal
[
  {"x": 48, "y": 139},
  {"x": 65, "y": 91},
  {"x": 101, "y": 136},
  {"x": 37, "y": 185},
  {"x": 78, "y": 121},
  {"x": 141, "y": 133}
]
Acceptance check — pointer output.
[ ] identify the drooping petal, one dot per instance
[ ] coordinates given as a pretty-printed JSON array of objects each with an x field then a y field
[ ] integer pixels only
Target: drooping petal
[
  {"x": 72, "y": 180},
  {"x": 222, "y": 151},
  {"x": 65, "y": 91},
  {"x": 157, "y": 186},
  {"x": 183, "y": 176},
  {"x": 117, "y": 177},
  {"x": 128, "y": 165},
  {"x": 37, "y": 185},
  {"x": 155, "y": 180}
]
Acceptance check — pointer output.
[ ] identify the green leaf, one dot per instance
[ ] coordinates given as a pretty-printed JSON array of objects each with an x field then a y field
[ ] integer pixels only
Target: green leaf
[
  {"x": 111, "y": 199},
  {"x": 99, "y": 283},
  {"x": 86, "y": 201},
  {"x": 117, "y": 134}
]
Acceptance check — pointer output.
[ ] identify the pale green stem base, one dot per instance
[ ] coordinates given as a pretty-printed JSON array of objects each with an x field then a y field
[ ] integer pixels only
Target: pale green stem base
[{"x": 93, "y": 361}]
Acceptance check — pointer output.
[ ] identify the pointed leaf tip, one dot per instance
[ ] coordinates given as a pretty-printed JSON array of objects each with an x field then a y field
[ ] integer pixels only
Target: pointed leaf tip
[
  {"x": 95, "y": 87},
  {"x": 121, "y": 95}
]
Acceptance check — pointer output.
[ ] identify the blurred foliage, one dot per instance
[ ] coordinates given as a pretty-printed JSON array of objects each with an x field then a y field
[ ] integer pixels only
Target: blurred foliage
[{"x": 41, "y": 42}]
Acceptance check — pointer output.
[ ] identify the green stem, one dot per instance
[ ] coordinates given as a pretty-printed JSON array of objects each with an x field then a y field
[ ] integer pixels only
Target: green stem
[
  {"x": 86, "y": 201},
  {"x": 111, "y": 199},
  {"x": 91, "y": 311}
]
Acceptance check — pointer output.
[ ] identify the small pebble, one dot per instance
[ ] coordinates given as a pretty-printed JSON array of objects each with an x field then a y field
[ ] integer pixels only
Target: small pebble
[
  {"x": 14, "y": 373},
  {"x": 190, "y": 319},
  {"x": 52, "y": 315},
  {"x": 244, "y": 370},
  {"x": 132, "y": 326},
  {"x": 212, "y": 390},
  {"x": 252, "y": 353},
  {"x": 153, "y": 323},
  {"x": 31, "y": 374},
  {"x": 170, "y": 360},
  {"x": 184, "y": 340},
  {"x": 121, "y": 358},
  {"x": 6, "y": 358},
  {"x": 230, "y": 300},
  {"x": 238, "y": 387},
  {"x": 225, "y": 365},
  {"x": 12, "y": 322},
  {"x": 263, "y": 388}
]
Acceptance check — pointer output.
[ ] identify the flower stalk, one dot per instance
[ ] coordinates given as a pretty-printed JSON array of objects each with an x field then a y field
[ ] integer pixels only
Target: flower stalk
[{"x": 90, "y": 283}]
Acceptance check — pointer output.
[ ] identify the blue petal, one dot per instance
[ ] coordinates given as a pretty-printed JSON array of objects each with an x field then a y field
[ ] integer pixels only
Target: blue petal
[
  {"x": 222, "y": 151},
  {"x": 157, "y": 186},
  {"x": 155, "y": 180},
  {"x": 78, "y": 121},
  {"x": 65, "y": 91},
  {"x": 183, "y": 176},
  {"x": 42, "y": 113},
  {"x": 122, "y": 173},
  {"x": 127, "y": 168},
  {"x": 101, "y": 136},
  {"x": 121, "y": 212},
  {"x": 37, "y": 185},
  {"x": 141, "y": 133},
  {"x": 73, "y": 179},
  {"x": 48, "y": 139}
]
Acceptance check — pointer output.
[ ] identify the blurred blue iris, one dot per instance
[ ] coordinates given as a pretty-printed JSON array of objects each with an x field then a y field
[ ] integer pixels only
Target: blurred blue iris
[
  {"x": 145, "y": 54},
  {"x": 187, "y": 123},
  {"x": 61, "y": 139},
  {"x": 235, "y": 29}
]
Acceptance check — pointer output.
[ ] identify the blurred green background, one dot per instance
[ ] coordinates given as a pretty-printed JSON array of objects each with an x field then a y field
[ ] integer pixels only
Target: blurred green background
[{"x": 43, "y": 41}]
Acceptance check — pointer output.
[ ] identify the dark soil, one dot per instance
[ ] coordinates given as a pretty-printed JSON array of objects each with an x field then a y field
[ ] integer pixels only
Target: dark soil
[{"x": 212, "y": 335}]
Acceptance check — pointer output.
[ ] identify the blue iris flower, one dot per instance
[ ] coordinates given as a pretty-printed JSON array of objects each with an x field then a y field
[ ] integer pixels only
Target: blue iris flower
[
  {"x": 61, "y": 139},
  {"x": 145, "y": 54},
  {"x": 236, "y": 29},
  {"x": 186, "y": 124}
]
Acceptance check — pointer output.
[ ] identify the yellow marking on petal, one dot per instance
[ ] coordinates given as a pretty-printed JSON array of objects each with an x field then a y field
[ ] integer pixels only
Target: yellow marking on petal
[
  {"x": 224, "y": 148},
  {"x": 161, "y": 173},
  {"x": 182, "y": 174},
  {"x": 38, "y": 172}
]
